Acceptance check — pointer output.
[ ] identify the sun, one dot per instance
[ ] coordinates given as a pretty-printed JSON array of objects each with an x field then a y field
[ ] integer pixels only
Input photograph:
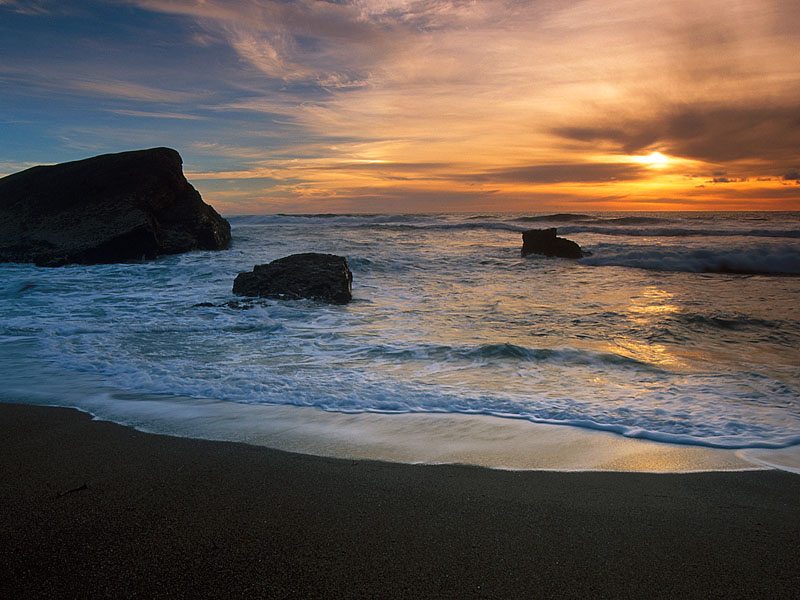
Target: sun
[{"x": 654, "y": 159}]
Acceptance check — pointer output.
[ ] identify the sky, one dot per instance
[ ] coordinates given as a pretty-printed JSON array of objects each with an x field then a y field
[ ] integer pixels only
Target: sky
[{"x": 418, "y": 105}]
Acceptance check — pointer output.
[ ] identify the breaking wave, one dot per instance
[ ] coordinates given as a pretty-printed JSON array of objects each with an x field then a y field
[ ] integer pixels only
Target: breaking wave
[
  {"x": 756, "y": 260},
  {"x": 680, "y": 232}
]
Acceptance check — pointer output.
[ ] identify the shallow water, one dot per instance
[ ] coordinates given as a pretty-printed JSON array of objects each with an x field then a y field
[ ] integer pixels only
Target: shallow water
[{"x": 639, "y": 338}]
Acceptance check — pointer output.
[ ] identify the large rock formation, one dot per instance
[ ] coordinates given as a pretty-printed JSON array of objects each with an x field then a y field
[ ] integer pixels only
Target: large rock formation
[
  {"x": 545, "y": 241},
  {"x": 110, "y": 208},
  {"x": 322, "y": 277}
]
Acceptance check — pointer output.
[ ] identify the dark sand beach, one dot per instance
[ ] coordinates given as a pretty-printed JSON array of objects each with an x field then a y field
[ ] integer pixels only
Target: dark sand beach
[{"x": 96, "y": 510}]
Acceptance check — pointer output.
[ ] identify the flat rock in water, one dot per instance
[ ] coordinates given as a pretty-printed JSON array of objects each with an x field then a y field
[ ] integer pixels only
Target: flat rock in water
[
  {"x": 105, "y": 209},
  {"x": 322, "y": 277},
  {"x": 545, "y": 242}
]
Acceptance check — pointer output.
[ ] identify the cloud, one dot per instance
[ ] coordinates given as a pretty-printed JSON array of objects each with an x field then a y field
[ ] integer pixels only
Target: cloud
[
  {"x": 727, "y": 180},
  {"x": 326, "y": 43},
  {"x": 7, "y": 168},
  {"x": 564, "y": 173},
  {"x": 47, "y": 80},
  {"x": 29, "y": 7},
  {"x": 154, "y": 115},
  {"x": 128, "y": 90},
  {"x": 250, "y": 153},
  {"x": 268, "y": 55},
  {"x": 715, "y": 134},
  {"x": 789, "y": 194}
]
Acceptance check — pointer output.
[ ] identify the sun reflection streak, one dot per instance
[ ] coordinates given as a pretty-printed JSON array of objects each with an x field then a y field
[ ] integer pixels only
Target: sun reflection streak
[
  {"x": 648, "y": 352},
  {"x": 646, "y": 310},
  {"x": 653, "y": 301}
]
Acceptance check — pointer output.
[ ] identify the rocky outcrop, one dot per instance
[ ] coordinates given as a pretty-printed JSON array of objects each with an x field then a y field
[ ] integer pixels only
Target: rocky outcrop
[
  {"x": 105, "y": 209},
  {"x": 321, "y": 277},
  {"x": 545, "y": 241}
]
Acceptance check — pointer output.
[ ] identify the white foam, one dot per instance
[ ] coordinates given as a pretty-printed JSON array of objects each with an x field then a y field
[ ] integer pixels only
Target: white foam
[
  {"x": 781, "y": 259},
  {"x": 785, "y": 459},
  {"x": 680, "y": 232},
  {"x": 410, "y": 438}
]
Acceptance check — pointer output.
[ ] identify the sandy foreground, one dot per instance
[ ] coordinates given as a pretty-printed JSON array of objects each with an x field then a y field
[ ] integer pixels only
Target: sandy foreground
[{"x": 93, "y": 510}]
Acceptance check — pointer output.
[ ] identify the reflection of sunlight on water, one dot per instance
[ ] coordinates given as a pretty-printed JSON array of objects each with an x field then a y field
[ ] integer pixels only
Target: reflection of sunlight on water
[
  {"x": 646, "y": 309},
  {"x": 656, "y": 354},
  {"x": 653, "y": 302}
]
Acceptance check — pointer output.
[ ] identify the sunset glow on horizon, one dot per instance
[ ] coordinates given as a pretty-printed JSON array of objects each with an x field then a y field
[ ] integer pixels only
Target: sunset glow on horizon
[{"x": 419, "y": 105}]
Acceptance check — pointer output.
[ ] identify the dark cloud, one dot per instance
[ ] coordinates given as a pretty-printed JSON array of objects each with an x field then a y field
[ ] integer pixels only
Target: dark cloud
[
  {"x": 544, "y": 174},
  {"x": 411, "y": 199},
  {"x": 753, "y": 194},
  {"x": 395, "y": 171},
  {"x": 713, "y": 134},
  {"x": 562, "y": 173},
  {"x": 631, "y": 136},
  {"x": 727, "y": 180},
  {"x": 416, "y": 199},
  {"x": 793, "y": 175}
]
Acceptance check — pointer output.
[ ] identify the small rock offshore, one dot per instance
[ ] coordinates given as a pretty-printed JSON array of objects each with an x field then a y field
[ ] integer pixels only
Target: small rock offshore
[
  {"x": 320, "y": 277},
  {"x": 547, "y": 243}
]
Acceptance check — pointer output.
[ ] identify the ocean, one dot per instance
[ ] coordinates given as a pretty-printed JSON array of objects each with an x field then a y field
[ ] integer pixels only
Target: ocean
[{"x": 680, "y": 327}]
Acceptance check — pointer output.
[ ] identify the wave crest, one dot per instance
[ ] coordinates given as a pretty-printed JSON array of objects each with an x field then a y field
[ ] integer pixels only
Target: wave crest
[
  {"x": 759, "y": 260},
  {"x": 680, "y": 232}
]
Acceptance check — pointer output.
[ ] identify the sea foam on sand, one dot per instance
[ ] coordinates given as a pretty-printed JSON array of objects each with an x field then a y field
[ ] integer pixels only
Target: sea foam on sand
[{"x": 422, "y": 438}]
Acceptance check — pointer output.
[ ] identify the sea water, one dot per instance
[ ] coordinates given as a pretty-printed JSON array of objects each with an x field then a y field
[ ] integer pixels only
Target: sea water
[{"x": 679, "y": 327}]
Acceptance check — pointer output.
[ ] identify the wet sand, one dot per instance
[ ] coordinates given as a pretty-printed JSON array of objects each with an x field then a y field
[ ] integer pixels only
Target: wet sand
[{"x": 94, "y": 510}]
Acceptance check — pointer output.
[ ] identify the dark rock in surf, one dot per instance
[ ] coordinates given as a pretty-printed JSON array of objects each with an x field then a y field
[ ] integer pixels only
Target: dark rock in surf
[
  {"x": 105, "y": 209},
  {"x": 321, "y": 277},
  {"x": 545, "y": 241}
]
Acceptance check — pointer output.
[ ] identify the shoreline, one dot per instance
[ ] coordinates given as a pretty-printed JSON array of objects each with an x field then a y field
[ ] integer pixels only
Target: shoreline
[
  {"x": 422, "y": 438},
  {"x": 163, "y": 516}
]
